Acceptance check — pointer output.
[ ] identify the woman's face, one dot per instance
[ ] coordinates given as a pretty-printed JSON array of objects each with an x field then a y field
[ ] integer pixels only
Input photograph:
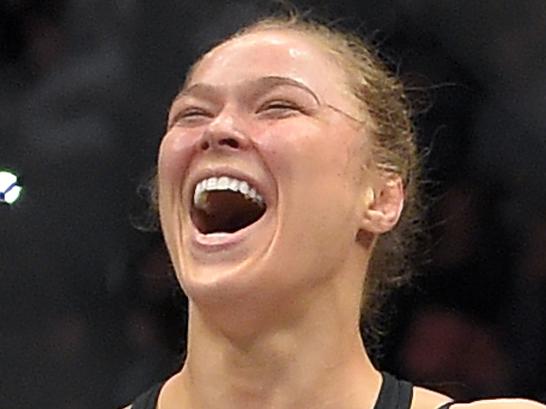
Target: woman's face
[{"x": 253, "y": 136}]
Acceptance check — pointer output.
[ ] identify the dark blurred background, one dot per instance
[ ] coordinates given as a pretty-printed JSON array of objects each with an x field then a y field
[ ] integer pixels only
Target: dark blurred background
[{"x": 90, "y": 313}]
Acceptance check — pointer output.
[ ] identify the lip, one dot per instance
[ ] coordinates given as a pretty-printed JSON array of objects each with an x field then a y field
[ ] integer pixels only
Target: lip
[{"x": 216, "y": 242}]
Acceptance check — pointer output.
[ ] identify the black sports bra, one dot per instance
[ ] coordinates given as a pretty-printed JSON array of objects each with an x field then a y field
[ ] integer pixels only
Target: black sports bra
[{"x": 394, "y": 394}]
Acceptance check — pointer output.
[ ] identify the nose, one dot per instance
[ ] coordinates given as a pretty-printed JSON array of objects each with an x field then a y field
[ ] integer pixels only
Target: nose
[{"x": 223, "y": 133}]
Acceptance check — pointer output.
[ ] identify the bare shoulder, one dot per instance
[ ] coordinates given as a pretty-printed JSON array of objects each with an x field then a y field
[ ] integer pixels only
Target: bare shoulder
[
  {"x": 501, "y": 404},
  {"x": 428, "y": 399}
]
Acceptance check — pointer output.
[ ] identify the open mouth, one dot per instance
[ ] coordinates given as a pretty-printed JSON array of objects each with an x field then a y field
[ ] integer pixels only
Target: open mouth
[{"x": 225, "y": 205}]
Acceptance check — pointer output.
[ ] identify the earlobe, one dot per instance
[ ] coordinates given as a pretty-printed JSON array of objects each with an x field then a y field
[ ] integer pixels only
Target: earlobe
[{"x": 383, "y": 205}]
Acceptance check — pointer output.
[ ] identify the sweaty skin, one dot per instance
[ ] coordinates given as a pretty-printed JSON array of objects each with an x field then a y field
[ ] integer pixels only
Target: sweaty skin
[
  {"x": 308, "y": 165},
  {"x": 274, "y": 308}
]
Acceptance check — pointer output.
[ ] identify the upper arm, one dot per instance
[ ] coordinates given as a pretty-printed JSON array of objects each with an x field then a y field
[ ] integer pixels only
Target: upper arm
[{"x": 501, "y": 404}]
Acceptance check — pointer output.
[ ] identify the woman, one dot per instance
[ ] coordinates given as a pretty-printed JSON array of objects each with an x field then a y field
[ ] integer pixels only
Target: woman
[{"x": 288, "y": 161}]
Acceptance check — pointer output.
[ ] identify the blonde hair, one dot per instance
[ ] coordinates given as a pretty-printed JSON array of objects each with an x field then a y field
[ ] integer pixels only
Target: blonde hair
[{"x": 384, "y": 101}]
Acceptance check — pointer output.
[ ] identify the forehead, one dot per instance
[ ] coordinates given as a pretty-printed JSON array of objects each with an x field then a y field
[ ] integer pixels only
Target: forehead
[{"x": 274, "y": 53}]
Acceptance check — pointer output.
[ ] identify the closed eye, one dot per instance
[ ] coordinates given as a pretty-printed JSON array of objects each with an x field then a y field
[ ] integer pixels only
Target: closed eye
[
  {"x": 190, "y": 117},
  {"x": 279, "y": 109}
]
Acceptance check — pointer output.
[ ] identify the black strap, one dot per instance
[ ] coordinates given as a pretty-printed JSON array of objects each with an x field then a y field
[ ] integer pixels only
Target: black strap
[
  {"x": 394, "y": 394},
  {"x": 148, "y": 400},
  {"x": 446, "y": 405}
]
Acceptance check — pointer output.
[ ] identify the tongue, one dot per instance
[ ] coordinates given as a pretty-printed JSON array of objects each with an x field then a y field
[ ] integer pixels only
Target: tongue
[{"x": 226, "y": 211}]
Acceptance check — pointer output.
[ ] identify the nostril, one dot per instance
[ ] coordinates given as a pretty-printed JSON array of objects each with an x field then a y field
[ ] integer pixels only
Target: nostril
[
  {"x": 231, "y": 142},
  {"x": 223, "y": 140}
]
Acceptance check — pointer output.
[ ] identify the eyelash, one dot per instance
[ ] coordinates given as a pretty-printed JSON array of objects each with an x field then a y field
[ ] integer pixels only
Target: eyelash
[
  {"x": 190, "y": 114},
  {"x": 282, "y": 108},
  {"x": 280, "y": 105},
  {"x": 193, "y": 112}
]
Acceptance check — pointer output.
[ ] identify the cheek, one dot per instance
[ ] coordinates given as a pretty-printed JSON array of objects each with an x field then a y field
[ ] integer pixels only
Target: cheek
[
  {"x": 174, "y": 155},
  {"x": 290, "y": 147},
  {"x": 311, "y": 151}
]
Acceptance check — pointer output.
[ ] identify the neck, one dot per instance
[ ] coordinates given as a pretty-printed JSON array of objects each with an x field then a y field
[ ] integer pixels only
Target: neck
[{"x": 292, "y": 366}]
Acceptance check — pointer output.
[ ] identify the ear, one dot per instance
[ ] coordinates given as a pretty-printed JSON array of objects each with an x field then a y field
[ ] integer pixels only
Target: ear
[{"x": 383, "y": 204}]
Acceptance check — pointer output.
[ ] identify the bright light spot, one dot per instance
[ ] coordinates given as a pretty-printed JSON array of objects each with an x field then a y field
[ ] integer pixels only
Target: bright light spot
[
  {"x": 13, "y": 194},
  {"x": 6, "y": 180},
  {"x": 10, "y": 191}
]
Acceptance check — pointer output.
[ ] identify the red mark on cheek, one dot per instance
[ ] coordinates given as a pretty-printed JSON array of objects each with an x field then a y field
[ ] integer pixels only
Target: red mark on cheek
[
  {"x": 180, "y": 142},
  {"x": 174, "y": 154}
]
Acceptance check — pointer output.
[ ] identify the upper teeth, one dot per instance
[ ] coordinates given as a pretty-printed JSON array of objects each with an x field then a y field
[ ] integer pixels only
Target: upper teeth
[{"x": 224, "y": 183}]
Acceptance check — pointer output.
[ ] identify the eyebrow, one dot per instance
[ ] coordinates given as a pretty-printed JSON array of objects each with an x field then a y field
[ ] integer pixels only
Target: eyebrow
[{"x": 270, "y": 80}]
